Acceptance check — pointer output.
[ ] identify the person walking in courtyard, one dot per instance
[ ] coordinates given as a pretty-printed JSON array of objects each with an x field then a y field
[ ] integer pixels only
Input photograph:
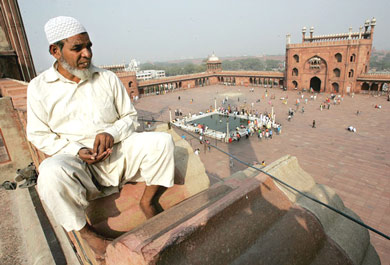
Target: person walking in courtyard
[{"x": 314, "y": 124}]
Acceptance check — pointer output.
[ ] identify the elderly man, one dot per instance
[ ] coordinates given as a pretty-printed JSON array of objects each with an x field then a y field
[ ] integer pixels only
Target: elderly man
[{"x": 82, "y": 117}]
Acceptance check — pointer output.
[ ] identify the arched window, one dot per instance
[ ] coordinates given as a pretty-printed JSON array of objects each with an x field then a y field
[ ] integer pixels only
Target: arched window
[
  {"x": 336, "y": 72},
  {"x": 365, "y": 86},
  {"x": 338, "y": 57},
  {"x": 130, "y": 83},
  {"x": 350, "y": 74},
  {"x": 352, "y": 58},
  {"x": 295, "y": 84},
  {"x": 296, "y": 58},
  {"x": 295, "y": 72}
]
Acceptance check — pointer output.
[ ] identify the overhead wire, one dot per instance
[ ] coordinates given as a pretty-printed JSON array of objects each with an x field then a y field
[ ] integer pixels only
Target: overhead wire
[{"x": 281, "y": 182}]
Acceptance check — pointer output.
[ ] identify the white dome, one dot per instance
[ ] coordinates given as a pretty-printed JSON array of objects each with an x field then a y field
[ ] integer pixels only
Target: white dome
[{"x": 213, "y": 58}]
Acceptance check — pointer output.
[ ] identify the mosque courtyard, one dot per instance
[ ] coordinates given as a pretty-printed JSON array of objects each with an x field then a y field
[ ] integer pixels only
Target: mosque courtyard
[{"x": 355, "y": 164}]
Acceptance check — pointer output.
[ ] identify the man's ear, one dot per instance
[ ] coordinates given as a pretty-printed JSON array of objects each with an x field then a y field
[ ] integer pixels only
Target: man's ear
[{"x": 55, "y": 51}]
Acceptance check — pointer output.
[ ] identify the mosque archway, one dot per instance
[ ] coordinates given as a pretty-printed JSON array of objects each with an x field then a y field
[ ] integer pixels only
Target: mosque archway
[
  {"x": 315, "y": 84},
  {"x": 335, "y": 87}
]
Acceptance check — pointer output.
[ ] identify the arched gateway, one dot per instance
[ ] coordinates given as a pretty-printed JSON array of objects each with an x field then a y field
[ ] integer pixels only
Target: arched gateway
[{"x": 315, "y": 84}]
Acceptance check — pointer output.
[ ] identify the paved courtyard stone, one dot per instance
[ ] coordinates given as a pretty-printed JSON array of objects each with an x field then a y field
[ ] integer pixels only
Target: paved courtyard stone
[{"x": 356, "y": 165}]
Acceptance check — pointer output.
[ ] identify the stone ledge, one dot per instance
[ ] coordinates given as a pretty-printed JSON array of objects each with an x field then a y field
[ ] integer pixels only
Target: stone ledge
[
  {"x": 349, "y": 236},
  {"x": 242, "y": 221}
]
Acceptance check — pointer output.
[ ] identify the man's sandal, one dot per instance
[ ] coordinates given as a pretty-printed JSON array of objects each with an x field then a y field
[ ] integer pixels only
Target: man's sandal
[{"x": 8, "y": 185}]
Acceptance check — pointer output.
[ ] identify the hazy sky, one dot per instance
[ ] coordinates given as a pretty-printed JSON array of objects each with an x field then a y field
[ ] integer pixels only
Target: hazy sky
[{"x": 158, "y": 30}]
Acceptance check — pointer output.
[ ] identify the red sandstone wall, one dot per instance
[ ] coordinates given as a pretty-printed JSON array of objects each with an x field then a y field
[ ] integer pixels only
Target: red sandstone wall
[
  {"x": 12, "y": 24},
  {"x": 129, "y": 80},
  {"x": 188, "y": 84},
  {"x": 242, "y": 81},
  {"x": 213, "y": 80},
  {"x": 327, "y": 51},
  {"x": 17, "y": 90}
]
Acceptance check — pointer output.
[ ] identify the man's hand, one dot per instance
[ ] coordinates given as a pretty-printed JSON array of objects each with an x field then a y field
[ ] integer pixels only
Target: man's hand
[
  {"x": 102, "y": 146},
  {"x": 87, "y": 155}
]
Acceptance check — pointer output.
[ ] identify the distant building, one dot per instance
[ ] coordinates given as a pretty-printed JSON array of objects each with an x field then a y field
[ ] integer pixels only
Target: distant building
[
  {"x": 330, "y": 63},
  {"x": 116, "y": 68},
  {"x": 150, "y": 74},
  {"x": 214, "y": 64},
  {"x": 133, "y": 66}
]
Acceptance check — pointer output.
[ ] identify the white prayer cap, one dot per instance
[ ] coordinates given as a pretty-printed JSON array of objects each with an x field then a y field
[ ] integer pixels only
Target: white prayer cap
[{"x": 59, "y": 28}]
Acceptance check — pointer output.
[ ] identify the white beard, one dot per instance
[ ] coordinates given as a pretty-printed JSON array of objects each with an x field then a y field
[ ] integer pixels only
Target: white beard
[{"x": 82, "y": 74}]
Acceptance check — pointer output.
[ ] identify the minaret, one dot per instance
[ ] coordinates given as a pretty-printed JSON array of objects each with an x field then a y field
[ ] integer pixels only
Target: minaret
[
  {"x": 311, "y": 33},
  {"x": 373, "y": 24},
  {"x": 303, "y": 34},
  {"x": 366, "y": 25},
  {"x": 350, "y": 33}
]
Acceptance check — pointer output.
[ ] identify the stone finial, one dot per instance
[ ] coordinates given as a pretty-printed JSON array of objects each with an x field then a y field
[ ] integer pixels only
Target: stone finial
[
  {"x": 288, "y": 38},
  {"x": 350, "y": 33},
  {"x": 366, "y": 25},
  {"x": 373, "y": 22},
  {"x": 304, "y": 30},
  {"x": 311, "y": 32}
]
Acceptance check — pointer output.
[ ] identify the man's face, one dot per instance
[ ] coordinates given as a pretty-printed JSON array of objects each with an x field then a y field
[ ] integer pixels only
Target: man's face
[{"x": 77, "y": 51}]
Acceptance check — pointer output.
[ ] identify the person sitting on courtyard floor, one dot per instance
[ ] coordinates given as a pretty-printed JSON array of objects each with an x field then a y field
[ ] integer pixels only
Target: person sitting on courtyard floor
[
  {"x": 82, "y": 117},
  {"x": 351, "y": 129}
]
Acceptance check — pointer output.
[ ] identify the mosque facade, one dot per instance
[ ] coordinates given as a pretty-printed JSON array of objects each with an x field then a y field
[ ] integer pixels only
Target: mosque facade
[
  {"x": 330, "y": 63},
  {"x": 335, "y": 63}
]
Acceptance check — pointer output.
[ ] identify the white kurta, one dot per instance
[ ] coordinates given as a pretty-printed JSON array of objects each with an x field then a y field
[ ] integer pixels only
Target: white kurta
[{"x": 64, "y": 116}]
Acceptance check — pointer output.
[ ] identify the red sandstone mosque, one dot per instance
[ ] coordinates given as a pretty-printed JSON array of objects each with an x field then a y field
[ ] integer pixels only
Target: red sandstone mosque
[{"x": 336, "y": 63}]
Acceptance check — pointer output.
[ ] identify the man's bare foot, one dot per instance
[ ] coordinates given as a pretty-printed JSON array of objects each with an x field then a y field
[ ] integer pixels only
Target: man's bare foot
[
  {"x": 97, "y": 243},
  {"x": 148, "y": 209}
]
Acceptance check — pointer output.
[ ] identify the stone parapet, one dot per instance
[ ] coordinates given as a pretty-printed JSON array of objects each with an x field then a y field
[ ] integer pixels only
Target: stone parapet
[
  {"x": 246, "y": 219},
  {"x": 269, "y": 74},
  {"x": 172, "y": 79},
  {"x": 349, "y": 236},
  {"x": 374, "y": 77},
  {"x": 329, "y": 43}
]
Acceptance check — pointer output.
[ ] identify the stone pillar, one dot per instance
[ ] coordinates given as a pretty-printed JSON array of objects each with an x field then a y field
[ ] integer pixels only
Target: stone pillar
[
  {"x": 12, "y": 25},
  {"x": 311, "y": 33}
]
